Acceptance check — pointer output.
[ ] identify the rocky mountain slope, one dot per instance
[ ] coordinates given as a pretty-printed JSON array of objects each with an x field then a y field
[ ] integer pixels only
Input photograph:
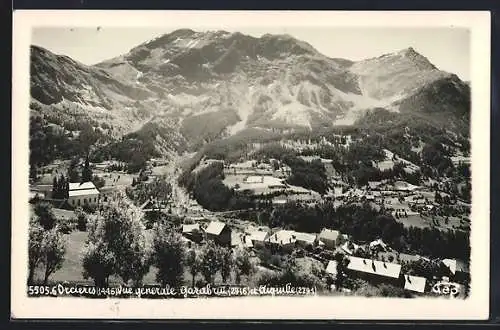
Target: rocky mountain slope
[{"x": 202, "y": 86}]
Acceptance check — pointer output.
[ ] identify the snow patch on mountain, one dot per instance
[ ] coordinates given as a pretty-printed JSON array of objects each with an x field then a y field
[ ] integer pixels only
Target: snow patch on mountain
[
  {"x": 294, "y": 113},
  {"x": 184, "y": 99},
  {"x": 244, "y": 109}
]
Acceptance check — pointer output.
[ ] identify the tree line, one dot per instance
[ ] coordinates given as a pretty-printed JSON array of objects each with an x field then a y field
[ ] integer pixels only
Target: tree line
[
  {"x": 210, "y": 192},
  {"x": 51, "y": 142},
  {"x": 366, "y": 223}
]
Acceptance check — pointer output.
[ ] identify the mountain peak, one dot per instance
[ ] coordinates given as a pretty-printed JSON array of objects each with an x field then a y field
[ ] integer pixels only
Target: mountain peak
[
  {"x": 417, "y": 58},
  {"x": 278, "y": 36},
  {"x": 288, "y": 42},
  {"x": 182, "y": 32},
  {"x": 408, "y": 51}
]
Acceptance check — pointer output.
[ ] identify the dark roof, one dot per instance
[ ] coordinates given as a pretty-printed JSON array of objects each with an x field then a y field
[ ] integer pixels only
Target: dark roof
[{"x": 462, "y": 266}]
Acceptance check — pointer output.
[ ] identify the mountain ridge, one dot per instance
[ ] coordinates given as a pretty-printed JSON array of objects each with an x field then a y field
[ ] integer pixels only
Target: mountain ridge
[{"x": 234, "y": 82}]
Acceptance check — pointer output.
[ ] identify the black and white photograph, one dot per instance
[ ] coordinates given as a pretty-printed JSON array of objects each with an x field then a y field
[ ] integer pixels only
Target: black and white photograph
[{"x": 229, "y": 158}]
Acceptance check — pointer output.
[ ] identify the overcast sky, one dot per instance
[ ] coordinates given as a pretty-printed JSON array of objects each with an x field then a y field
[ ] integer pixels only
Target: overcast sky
[{"x": 446, "y": 48}]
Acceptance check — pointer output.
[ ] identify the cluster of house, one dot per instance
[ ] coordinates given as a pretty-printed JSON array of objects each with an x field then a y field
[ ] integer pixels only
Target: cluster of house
[
  {"x": 412, "y": 201},
  {"x": 254, "y": 168},
  {"x": 328, "y": 239},
  {"x": 380, "y": 270},
  {"x": 105, "y": 165},
  {"x": 264, "y": 179},
  {"x": 302, "y": 145},
  {"x": 285, "y": 240},
  {"x": 390, "y": 272},
  {"x": 458, "y": 160}
]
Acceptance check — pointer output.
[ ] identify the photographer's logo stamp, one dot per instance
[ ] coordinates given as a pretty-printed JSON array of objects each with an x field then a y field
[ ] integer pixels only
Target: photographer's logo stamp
[{"x": 446, "y": 288}]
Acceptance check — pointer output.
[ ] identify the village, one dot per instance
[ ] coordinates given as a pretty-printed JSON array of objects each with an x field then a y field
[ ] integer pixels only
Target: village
[{"x": 326, "y": 251}]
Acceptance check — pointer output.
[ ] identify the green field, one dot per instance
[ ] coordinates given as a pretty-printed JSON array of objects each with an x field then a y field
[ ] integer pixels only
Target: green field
[
  {"x": 122, "y": 179},
  {"x": 417, "y": 220}
]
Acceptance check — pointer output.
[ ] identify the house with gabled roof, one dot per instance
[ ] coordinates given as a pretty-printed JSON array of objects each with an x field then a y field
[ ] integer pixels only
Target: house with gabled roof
[
  {"x": 375, "y": 270},
  {"x": 306, "y": 239},
  {"x": 258, "y": 238},
  {"x": 80, "y": 194},
  {"x": 415, "y": 283},
  {"x": 282, "y": 239},
  {"x": 219, "y": 232},
  {"x": 331, "y": 238},
  {"x": 459, "y": 270}
]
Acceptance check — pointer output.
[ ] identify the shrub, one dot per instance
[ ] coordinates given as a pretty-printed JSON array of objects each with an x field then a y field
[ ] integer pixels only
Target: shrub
[
  {"x": 81, "y": 219},
  {"x": 387, "y": 290},
  {"x": 89, "y": 208},
  {"x": 45, "y": 215},
  {"x": 67, "y": 227}
]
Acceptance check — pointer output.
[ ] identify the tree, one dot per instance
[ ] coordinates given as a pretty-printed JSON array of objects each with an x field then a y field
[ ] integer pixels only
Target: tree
[
  {"x": 125, "y": 234},
  {"x": 168, "y": 255},
  {"x": 33, "y": 172},
  {"x": 227, "y": 263},
  {"x": 66, "y": 189},
  {"x": 35, "y": 246},
  {"x": 342, "y": 264},
  {"x": 73, "y": 174},
  {"x": 438, "y": 198},
  {"x": 116, "y": 244},
  {"x": 86, "y": 172},
  {"x": 98, "y": 181},
  {"x": 60, "y": 188},
  {"x": 55, "y": 186},
  {"x": 45, "y": 215},
  {"x": 98, "y": 258},
  {"x": 87, "y": 137},
  {"x": 466, "y": 192},
  {"x": 134, "y": 261},
  {"x": 210, "y": 261},
  {"x": 193, "y": 264},
  {"x": 242, "y": 264},
  {"x": 81, "y": 219},
  {"x": 53, "y": 252}
]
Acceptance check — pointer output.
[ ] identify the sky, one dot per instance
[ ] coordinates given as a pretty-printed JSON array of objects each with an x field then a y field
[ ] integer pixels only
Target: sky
[{"x": 447, "y": 48}]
